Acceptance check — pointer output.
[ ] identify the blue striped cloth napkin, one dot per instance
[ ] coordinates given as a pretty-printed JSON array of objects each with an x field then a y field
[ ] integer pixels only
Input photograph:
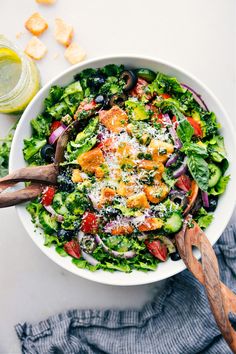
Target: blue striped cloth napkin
[{"x": 178, "y": 321}]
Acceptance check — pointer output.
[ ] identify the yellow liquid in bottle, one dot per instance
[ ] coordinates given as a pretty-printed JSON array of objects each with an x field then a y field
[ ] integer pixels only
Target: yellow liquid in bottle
[{"x": 10, "y": 70}]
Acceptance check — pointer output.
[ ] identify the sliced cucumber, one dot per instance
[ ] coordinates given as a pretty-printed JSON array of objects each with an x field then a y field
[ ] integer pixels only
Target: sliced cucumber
[
  {"x": 48, "y": 223},
  {"x": 146, "y": 74},
  {"x": 173, "y": 223},
  {"x": 58, "y": 204},
  {"x": 215, "y": 174}
]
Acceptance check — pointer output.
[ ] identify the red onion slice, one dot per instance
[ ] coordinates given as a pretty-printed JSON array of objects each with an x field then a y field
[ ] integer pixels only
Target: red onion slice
[
  {"x": 172, "y": 131},
  {"x": 205, "y": 199},
  {"x": 172, "y": 159},
  {"x": 56, "y": 134},
  {"x": 50, "y": 209},
  {"x": 197, "y": 97},
  {"x": 91, "y": 260},
  {"x": 116, "y": 254},
  {"x": 181, "y": 170}
]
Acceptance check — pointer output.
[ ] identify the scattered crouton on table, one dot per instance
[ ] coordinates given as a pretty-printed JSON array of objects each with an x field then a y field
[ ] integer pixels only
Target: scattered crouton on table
[
  {"x": 35, "y": 48},
  {"x": 36, "y": 24}
]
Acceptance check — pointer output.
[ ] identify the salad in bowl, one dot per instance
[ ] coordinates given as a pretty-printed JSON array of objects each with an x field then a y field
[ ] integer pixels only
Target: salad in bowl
[{"x": 148, "y": 152}]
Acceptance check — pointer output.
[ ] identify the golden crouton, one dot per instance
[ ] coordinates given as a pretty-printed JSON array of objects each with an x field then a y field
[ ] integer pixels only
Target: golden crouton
[
  {"x": 63, "y": 32},
  {"x": 46, "y": 2},
  {"x": 157, "y": 168},
  {"x": 160, "y": 150},
  {"x": 155, "y": 194},
  {"x": 74, "y": 53},
  {"x": 91, "y": 160},
  {"x": 125, "y": 155},
  {"x": 138, "y": 201},
  {"x": 99, "y": 172},
  {"x": 151, "y": 224},
  {"x": 125, "y": 189},
  {"x": 114, "y": 120},
  {"x": 151, "y": 165},
  {"x": 35, "y": 48},
  {"x": 107, "y": 195},
  {"x": 76, "y": 176},
  {"x": 122, "y": 230},
  {"x": 36, "y": 24},
  {"x": 129, "y": 128}
]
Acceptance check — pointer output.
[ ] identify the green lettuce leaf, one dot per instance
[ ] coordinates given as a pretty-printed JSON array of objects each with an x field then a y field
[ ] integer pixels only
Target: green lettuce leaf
[
  {"x": 4, "y": 154},
  {"x": 32, "y": 146},
  {"x": 220, "y": 187},
  {"x": 54, "y": 96},
  {"x": 216, "y": 148},
  {"x": 41, "y": 126},
  {"x": 204, "y": 218},
  {"x": 166, "y": 84}
]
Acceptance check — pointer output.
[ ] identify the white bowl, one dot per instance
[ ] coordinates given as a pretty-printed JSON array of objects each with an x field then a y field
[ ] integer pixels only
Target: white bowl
[{"x": 226, "y": 202}]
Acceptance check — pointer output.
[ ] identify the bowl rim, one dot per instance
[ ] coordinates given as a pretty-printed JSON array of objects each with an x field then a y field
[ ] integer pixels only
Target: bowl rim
[{"x": 180, "y": 266}]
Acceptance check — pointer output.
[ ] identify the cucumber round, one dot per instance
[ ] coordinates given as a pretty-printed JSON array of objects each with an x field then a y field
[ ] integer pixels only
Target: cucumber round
[
  {"x": 146, "y": 74},
  {"x": 215, "y": 174},
  {"x": 173, "y": 223},
  {"x": 48, "y": 223}
]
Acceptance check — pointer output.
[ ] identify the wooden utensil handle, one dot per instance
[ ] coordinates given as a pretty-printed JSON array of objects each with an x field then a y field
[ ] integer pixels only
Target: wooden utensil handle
[
  {"x": 222, "y": 300},
  {"x": 20, "y": 196},
  {"x": 42, "y": 174}
]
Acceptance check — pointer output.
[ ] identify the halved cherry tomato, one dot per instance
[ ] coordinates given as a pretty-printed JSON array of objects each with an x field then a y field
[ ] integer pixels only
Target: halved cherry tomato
[
  {"x": 184, "y": 183},
  {"x": 157, "y": 249},
  {"x": 165, "y": 96},
  {"x": 55, "y": 125},
  {"x": 89, "y": 224},
  {"x": 47, "y": 195},
  {"x": 72, "y": 248},
  {"x": 196, "y": 126}
]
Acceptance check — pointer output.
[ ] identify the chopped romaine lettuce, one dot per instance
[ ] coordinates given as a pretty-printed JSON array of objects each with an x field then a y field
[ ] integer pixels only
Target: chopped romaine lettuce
[
  {"x": 220, "y": 187},
  {"x": 32, "y": 146},
  {"x": 41, "y": 126}
]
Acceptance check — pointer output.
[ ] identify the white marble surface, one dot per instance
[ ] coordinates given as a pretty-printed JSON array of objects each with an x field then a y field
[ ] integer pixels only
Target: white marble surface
[{"x": 199, "y": 35}]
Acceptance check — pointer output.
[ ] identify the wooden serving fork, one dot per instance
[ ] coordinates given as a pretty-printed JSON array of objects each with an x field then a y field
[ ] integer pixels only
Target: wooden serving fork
[
  {"x": 221, "y": 299},
  {"x": 39, "y": 176}
]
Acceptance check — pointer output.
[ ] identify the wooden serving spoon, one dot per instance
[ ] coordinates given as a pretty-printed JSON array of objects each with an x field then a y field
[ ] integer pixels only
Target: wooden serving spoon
[{"x": 221, "y": 299}]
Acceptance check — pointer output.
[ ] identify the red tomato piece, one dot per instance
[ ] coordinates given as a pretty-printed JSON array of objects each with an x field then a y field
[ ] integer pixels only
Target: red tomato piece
[
  {"x": 157, "y": 249},
  {"x": 47, "y": 195},
  {"x": 107, "y": 145},
  {"x": 165, "y": 96},
  {"x": 184, "y": 183},
  {"x": 72, "y": 248},
  {"x": 196, "y": 126},
  {"x": 86, "y": 106},
  {"x": 139, "y": 89},
  {"x": 55, "y": 125},
  {"x": 89, "y": 224}
]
